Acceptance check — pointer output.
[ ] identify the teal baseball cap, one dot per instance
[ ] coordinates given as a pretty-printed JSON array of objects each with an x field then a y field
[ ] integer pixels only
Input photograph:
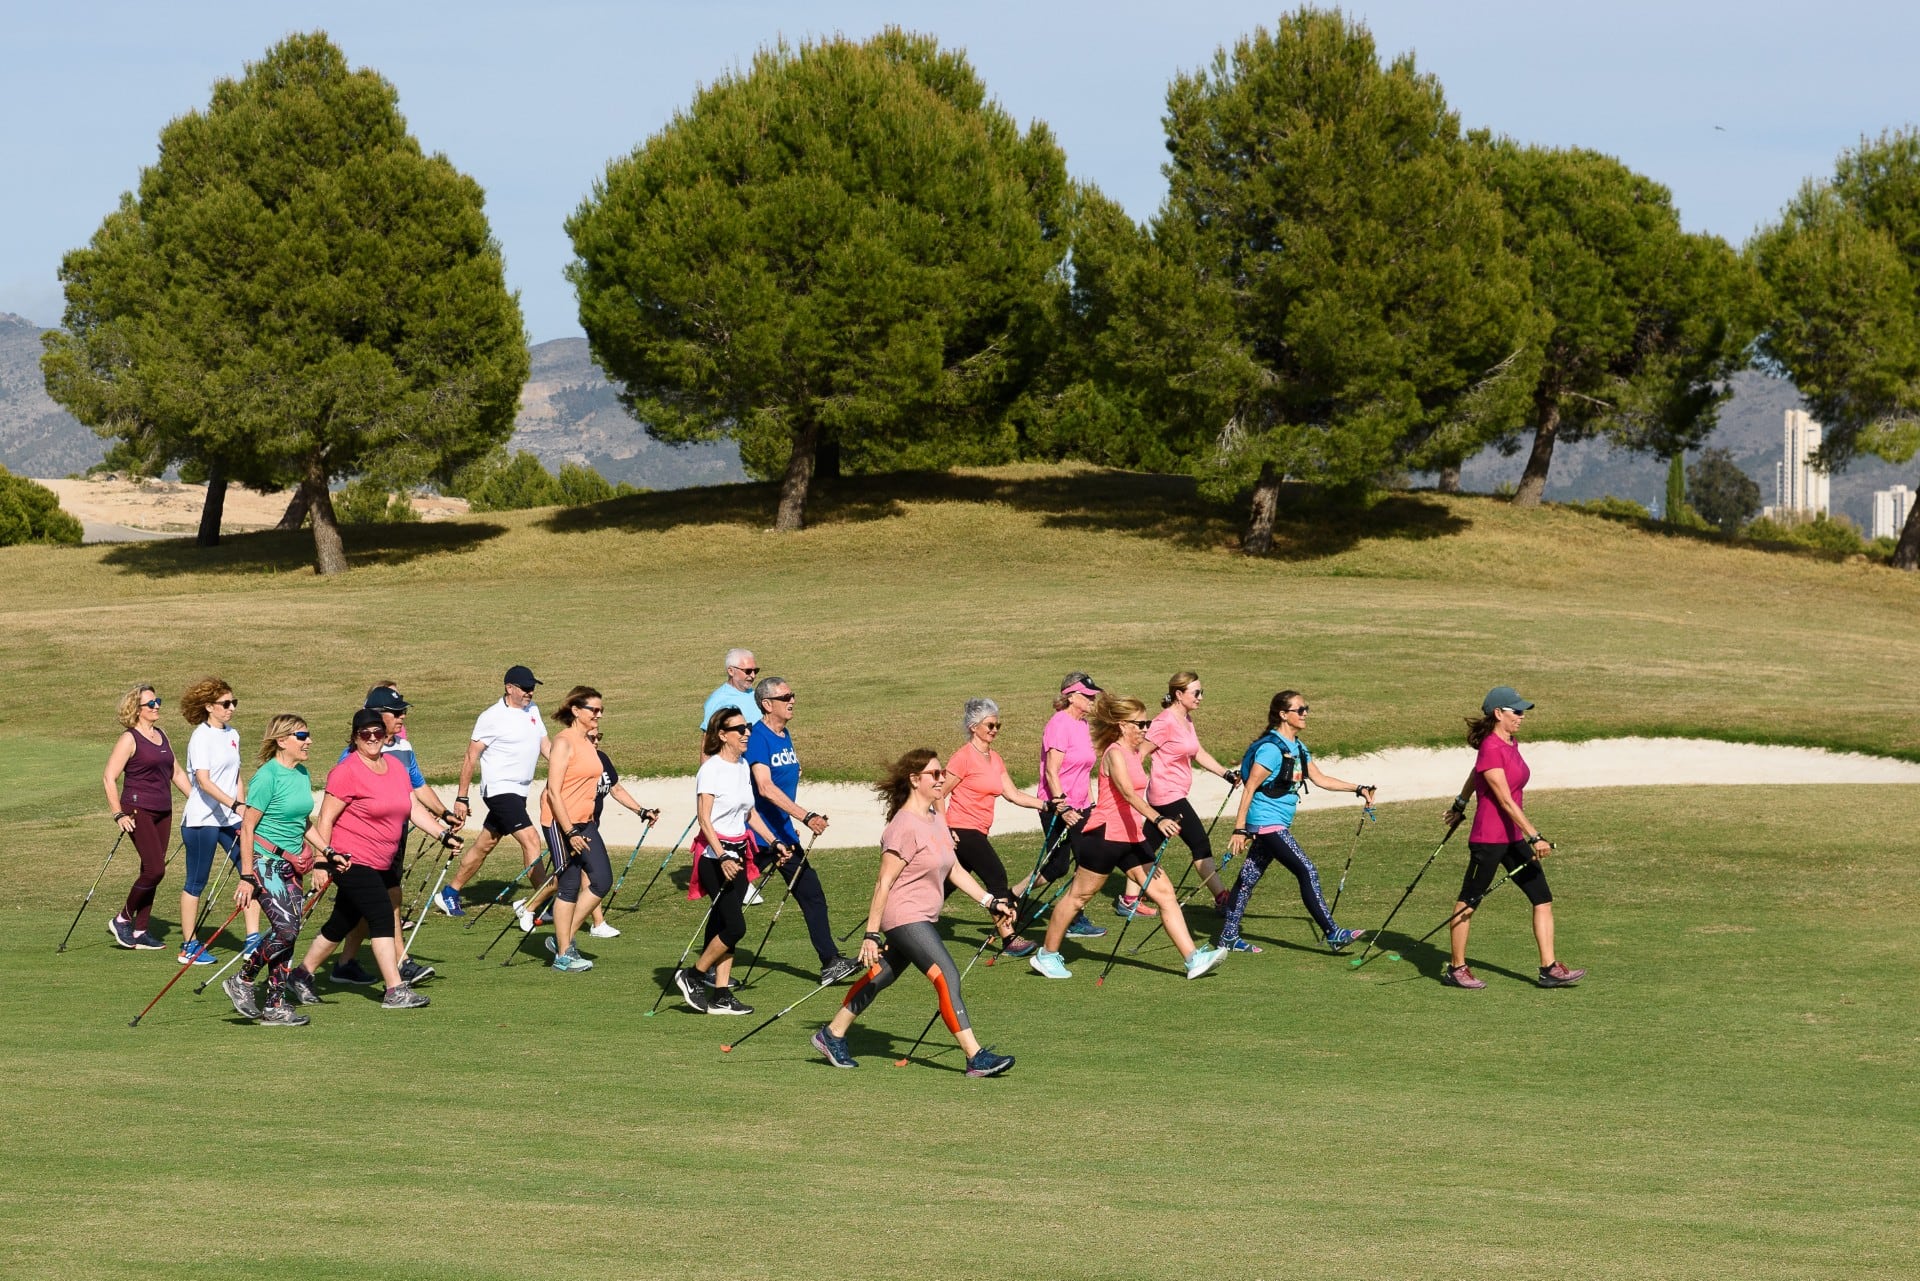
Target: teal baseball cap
[{"x": 1505, "y": 696}]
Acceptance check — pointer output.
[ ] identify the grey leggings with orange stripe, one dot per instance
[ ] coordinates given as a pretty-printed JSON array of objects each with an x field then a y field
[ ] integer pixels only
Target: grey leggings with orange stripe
[{"x": 917, "y": 942}]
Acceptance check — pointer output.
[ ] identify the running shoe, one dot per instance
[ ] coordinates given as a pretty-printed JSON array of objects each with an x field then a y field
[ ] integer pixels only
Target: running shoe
[
  {"x": 240, "y": 992},
  {"x": 690, "y": 990},
  {"x": 122, "y": 933},
  {"x": 300, "y": 983},
  {"x": 145, "y": 942},
  {"x": 252, "y": 942},
  {"x": 1339, "y": 936},
  {"x": 1082, "y": 928},
  {"x": 522, "y": 915},
  {"x": 351, "y": 971},
  {"x": 603, "y": 931},
  {"x": 402, "y": 998},
  {"x": 1240, "y": 945},
  {"x": 196, "y": 954},
  {"x": 1461, "y": 976},
  {"x": 1128, "y": 906},
  {"x": 838, "y": 970},
  {"x": 753, "y": 898},
  {"x": 835, "y": 1048},
  {"x": 1049, "y": 964},
  {"x": 1202, "y": 959},
  {"x": 1018, "y": 947},
  {"x": 553, "y": 949},
  {"x": 722, "y": 1002},
  {"x": 706, "y": 978},
  {"x": 284, "y": 1015},
  {"x": 571, "y": 963},
  {"x": 986, "y": 1063},
  {"x": 1558, "y": 975},
  {"x": 448, "y": 901},
  {"x": 412, "y": 972}
]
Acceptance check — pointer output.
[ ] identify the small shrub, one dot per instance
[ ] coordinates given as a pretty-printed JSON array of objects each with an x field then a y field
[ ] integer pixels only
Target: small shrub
[
  {"x": 497, "y": 483},
  {"x": 1822, "y": 533},
  {"x": 1613, "y": 508},
  {"x": 366, "y": 501},
  {"x": 31, "y": 513}
]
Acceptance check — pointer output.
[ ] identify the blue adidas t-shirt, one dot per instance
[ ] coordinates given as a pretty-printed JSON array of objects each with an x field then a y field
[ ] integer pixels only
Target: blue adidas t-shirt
[
  {"x": 775, "y": 751},
  {"x": 1268, "y": 751}
]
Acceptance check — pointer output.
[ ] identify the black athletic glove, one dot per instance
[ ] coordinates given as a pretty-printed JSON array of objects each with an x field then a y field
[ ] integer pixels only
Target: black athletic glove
[
  {"x": 1233, "y": 778},
  {"x": 649, "y": 816}
]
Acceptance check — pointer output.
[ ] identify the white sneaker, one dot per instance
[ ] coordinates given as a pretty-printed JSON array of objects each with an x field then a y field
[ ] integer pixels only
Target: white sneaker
[
  {"x": 603, "y": 931},
  {"x": 522, "y": 915},
  {"x": 753, "y": 896},
  {"x": 1203, "y": 959}
]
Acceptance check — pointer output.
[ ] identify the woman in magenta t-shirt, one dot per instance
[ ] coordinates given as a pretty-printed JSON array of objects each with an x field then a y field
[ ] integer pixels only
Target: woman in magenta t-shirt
[
  {"x": 916, "y": 865},
  {"x": 1067, "y": 762},
  {"x": 977, "y": 779},
  {"x": 1502, "y": 835},
  {"x": 1176, "y": 751}
]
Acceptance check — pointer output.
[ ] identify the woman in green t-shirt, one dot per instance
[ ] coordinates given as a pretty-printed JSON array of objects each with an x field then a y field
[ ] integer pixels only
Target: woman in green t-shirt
[{"x": 273, "y": 859}]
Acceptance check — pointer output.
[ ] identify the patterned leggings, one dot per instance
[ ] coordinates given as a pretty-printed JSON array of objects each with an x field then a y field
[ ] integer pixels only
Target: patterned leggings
[
  {"x": 1266, "y": 848},
  {"x": 281, "y": 898}
]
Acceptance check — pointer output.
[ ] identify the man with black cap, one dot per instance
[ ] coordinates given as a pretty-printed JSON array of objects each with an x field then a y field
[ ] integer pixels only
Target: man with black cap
[
  {"x": 509, "y": 742},
  {"x": 385, "y": 698}
]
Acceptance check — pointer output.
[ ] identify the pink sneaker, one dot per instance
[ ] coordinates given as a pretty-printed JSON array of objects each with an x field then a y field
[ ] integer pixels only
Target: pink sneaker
[
  {"x": 1558, "y": 975},
  {"x": 1461, "y": 976}
]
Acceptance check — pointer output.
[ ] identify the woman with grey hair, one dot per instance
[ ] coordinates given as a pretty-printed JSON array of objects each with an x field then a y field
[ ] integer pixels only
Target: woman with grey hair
[{"x": 976, "y": 779}]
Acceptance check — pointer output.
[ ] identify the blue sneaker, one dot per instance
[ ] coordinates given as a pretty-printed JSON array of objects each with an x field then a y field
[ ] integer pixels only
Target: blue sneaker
[
  {"x": 122, "y": 932},
  {"x": 145, "y": 942},
  {"x": 1049, "y": 964},
  {"x": 987, "y": 1063},
  {"x": 835, "y": 1048},
  {"x": 1337, "y": 937},
  {"x": 571, "y": 963},
  {"x": 572, "y": 952},
  {"x": 252, "y": 941},
  {"x": 448, "y": 901},
  {"x": 1240, "y": 945},
  {"x": 1203, "y": 959},
  {"x": 196, "y": 954},
  {"x": 1082, "y": 928}
]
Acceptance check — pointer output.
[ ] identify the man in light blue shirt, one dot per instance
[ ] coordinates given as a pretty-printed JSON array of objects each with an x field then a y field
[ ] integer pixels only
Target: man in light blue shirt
[{"x": 736, "y": 692}]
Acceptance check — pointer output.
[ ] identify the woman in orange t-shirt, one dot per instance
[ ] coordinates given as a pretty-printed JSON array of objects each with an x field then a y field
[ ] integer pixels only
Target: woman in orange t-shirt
[
  {"x": 976, "y": 779},
  {"x": 566, "y": 816}
]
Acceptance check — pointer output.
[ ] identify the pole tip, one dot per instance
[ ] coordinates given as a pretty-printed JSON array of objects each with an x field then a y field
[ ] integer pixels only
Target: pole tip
[
  {"x": 1101, "y": 981},
  {"x": 726, "y": 1049},
  {"x": 1357, "y": 961},
  {"x": 134, "y": 1023},
  {"x": 899, "y": 1062}
]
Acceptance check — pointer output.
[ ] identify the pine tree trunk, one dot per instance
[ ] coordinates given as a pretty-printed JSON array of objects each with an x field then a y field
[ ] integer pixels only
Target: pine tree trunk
[
  {"x": 1533, "y": 481},
  {"x": 1266, "y": 507},
  {"x": 1450, "y": 478},
  {"x": 329, "y": 552},
  {"x": 798, "y": 482},
  {"x": 214, "y": 506},
  {"x": 296, "y": 513},
  {"x": 1906, "y": 553}
]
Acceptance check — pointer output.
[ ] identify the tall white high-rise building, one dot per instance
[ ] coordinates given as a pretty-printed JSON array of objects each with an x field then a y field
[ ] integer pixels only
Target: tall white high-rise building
[
  {"x": 1890, "y": 509},
  {"x": 1799, "y": 487}
]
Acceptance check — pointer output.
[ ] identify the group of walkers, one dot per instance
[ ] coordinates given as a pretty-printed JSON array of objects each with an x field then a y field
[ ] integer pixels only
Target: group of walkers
[{"x": 1113, "y": 792}]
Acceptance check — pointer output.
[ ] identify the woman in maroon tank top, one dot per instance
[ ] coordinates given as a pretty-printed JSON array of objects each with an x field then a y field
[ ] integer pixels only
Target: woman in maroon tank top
[{"x": 140, "y": 778}]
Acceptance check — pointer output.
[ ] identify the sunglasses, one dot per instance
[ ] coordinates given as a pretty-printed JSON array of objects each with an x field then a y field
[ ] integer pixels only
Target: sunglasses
[
  {"x": 1141, "y": 724},
  {"x": 597, "y": 711},
  {"x": 748, "y": 671},
  {"x": 1513, "y": 711},
  {"x": 152, "y": 702},
  {"x": 992, "y": 725},
  {"x": 935, "y": 774},
  {"x": 741, "y": 728},
  {"x": 367, "y": 735},
  {"x": 226, "y": 702},
  {"x": 302, "y": 734},
  {"x": 1302, "y": 710},
  {"x": 780, "y": 698}
]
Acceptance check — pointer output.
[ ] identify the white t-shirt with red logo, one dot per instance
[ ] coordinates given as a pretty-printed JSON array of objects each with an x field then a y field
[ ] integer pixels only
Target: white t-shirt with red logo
[
  {"x": 217, "y": 751},
  {"x": 511, "y": 747}
]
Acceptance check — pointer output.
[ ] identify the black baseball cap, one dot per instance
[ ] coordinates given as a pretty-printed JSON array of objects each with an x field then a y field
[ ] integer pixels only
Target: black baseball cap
[
  {"x": 382, "y": 699},
  {"x": 521, "y": 678}
]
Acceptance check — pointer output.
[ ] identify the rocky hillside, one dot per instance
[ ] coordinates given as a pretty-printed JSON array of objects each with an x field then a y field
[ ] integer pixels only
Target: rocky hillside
[{"x": 37, "y": 437}]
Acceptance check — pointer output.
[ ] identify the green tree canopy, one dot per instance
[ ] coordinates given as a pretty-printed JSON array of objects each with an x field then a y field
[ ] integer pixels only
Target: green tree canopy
[
  {"x": 31, "y": 513},
  {"x": 1842, "y": 274},
  {"x": 845, "y": 247},
  {"x": 1724, "y": 495},
  {"x": 295, "y": 293},
  {"x": 1641, "y": 320}
]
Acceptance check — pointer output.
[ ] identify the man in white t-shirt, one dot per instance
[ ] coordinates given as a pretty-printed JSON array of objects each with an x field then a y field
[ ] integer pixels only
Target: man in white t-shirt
[{"x": 509, "y": 741}]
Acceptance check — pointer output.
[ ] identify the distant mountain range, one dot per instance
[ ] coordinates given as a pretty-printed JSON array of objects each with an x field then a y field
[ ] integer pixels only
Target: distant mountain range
[{"x": 569, "y": 413}]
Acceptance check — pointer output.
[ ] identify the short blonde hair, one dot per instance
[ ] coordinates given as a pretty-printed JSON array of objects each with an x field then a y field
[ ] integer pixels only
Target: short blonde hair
[{"x": 130, "y": 705}]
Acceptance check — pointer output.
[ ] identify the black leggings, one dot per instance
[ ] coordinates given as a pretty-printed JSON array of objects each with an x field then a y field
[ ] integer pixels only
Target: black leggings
[
  {"x": 1062, "y": 847},
  {"x": 973, "y": 851},
  {"x": 806, "y": 891},
  {"x": 150, "y": 833},
  {"x": 359, "y": 894},
  {"x": 1193, "y": 833},
  {"x": 1267, "y": 848},
  {"x": 1488, "y": 855},
  {"x": 592, "y": 862},
  {"x": 726, "y": 920},
  {"x": 917, "y": 942}
]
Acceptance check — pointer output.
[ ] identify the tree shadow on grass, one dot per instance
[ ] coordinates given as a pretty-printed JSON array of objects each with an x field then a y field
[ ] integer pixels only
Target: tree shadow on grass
[
  {"x": 291, "y": 551},
  {"x": 1311, "y": 524}
]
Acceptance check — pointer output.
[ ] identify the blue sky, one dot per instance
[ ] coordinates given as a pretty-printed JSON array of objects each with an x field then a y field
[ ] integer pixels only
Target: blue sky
[{"x": 534, "y": 100}]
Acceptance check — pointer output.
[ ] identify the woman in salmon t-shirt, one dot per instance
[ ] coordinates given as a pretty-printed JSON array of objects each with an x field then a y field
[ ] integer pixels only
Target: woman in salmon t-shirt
[
  {"x": 916, "y": 865},
  {"x": 1114, "y": 840},
  {"x": 362, "y": 820},
  {"x": 1176, "y": 750},
  {"x": 976, "y": 779},
  {"x": 1502, "y": 834}
]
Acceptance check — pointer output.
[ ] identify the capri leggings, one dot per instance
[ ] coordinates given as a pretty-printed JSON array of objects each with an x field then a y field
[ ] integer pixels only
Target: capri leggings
[
  {"x": 975, "y": 852},
  {"x": 726, "y": 920},
  {"x": 359, "y": 895},
  {"x": 282, "y": 900},
  {"x": 1060, "y": 846},
  {"x": 592, "y": 863},
  {"x": 1192, "y": 831},
  {"x": 200, "y": 843},
  {"x": 151, "y": 832},
  {"x": 1488, "y": 855},
  {"x": 1267, "y": 847},
  {"x": 917, "y": 942}
]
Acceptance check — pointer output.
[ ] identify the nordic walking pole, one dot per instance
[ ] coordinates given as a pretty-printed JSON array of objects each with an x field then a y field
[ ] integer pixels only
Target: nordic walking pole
[
  {"x": 534, "y": 905},
  {"x": 178, "y": 972},
  {"x": 654, "y": 817},
  {"x": 1019, "y": 903},
  {"x": 412, "y": 911},
  {"x": 663, "y": 865},
  {"x": 1374, "y": 938},
  {"x": 1461, "y": 913},
  {"x": 1158, "y": 925},
  {"x": 1021, "y": 917},
  {"x": 813, "y": 992},
  {"x": 501, "y": 897},
  {"x": 90, "y": 889},
  {"x": 1225, "y": 861},
  {"x": 1144, "y": 886},
  {"x": 779, "y": 907},
  {"x": 454, "y": 845},
  {"x": 1366, "y": 816},
  {"x": 237, "y": 957},
  {"x": 206, "y": 899},
  {"x": 697, "y": 932}
]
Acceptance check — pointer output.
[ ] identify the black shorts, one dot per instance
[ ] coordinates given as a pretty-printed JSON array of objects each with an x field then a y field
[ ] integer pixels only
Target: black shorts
[
  {"x": 359, "y": 896},
  {"x": 1098, "y": 854},
  {"x": 390, "y": 876},
  {"x": 1488, "y": 855},
  {"x": 507, "y": 814}
]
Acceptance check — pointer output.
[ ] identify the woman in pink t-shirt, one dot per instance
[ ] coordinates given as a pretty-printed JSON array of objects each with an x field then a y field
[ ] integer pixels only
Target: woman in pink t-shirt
[
  {"x": 1176, "y": 750},
  {"x": 977, "y": 780},
  {"x": 916, "y": 865},
  {"x": 1067, "y": 761},
  {"x": 1502, "y": 834}
]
